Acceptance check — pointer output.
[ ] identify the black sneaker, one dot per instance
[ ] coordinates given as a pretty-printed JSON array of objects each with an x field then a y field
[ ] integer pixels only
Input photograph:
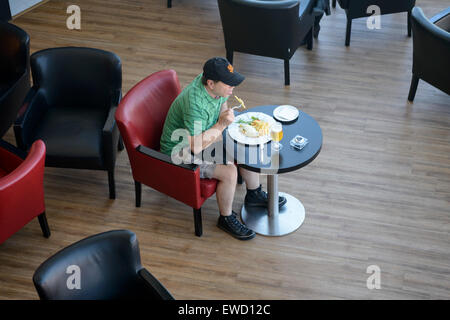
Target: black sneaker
[
  {"x": 259, "y": 198},
  {"x": 232, "y": 225}
]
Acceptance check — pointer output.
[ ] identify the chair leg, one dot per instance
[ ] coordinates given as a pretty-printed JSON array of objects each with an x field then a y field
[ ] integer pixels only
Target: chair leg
[
  {"x": 138, "y": 193},
  {"x": 413, "y": 88},
  {"x": 239, "y": 178},
  {"x": 198, "y": 222},
  {"x": 169, "y": 3},
  {"x": 112, "y": 184},
  {"x": 230, "y": 56},
  {"x": 334, "y": 4},
  {"x": 409, "y": 23},
  {"x": 287, "y": 80},
  {"x": 310, "y": 40},
  {"x": 349, "y": 31},
  {"x": 120, "y": 145},
  {"x": 44, "y": 224}
]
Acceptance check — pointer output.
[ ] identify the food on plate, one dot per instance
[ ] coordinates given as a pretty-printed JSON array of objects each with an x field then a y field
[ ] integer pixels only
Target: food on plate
[
  {"x": 249, "y": 130},
  {"x": 254, "y": 128}
]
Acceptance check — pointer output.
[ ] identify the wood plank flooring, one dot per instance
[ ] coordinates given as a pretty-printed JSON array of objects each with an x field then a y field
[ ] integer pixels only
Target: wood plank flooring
[{"x": 378, "y": 194}]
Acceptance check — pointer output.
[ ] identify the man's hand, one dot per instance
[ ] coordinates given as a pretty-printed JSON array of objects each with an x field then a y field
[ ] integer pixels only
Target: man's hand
[
  {"x": 226, "y": 118},
  {"x": 206, "y": 138}
]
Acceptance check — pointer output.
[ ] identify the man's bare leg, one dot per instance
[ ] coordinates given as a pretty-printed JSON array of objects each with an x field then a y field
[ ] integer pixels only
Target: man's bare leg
[
  {"x": 227, "y": 176},
  {"x": 251, "y": 178}
]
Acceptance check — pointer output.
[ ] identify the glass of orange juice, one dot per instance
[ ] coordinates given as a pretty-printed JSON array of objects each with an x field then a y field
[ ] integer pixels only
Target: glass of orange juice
[{"x": 276, "y": 133}]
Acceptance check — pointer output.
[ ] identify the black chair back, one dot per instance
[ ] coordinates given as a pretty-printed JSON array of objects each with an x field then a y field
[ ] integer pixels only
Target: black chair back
[
  {"x": 77, "y": 77},
  {"x": 358, "y": 8},
  {"x": 266, "y": 28},
  {"x": 107, "y": 265}
]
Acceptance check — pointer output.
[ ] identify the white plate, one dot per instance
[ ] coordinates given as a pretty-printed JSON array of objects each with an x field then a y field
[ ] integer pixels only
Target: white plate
[
  {"x": 285, "y": 113},
  {"x": 237, "y": 135}
]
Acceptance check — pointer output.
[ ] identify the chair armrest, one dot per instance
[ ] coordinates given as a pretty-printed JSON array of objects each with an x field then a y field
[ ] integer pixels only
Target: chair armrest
[
  {"x": 154, "y": 285},
  {"x": 26, "y": 104},
  {"x": 306, "y": 8},
  {"x": 110, "y": 137},
  {"x": 110, "y": 120},
  {"x": 30, "y": 113},
  {"x": 14, "y": 82},
  {"x": 116, "y": 97},
  {"x": 156, "y": 170},
  {"x": 164, "y": 157},
  {"x": 13, "y": 97}
]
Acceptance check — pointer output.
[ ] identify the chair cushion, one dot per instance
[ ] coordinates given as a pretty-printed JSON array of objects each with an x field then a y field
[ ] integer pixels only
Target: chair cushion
[
  {"x": 207, "y": 187},
  {"x": 73, "y": 137}
]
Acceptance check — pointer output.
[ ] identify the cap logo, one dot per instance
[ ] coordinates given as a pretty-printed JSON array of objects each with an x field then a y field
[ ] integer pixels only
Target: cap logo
[{"x": 230, "y": 68}]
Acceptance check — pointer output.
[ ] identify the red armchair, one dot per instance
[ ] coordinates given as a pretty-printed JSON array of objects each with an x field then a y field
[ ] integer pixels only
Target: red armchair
[
  {"x": 140, "y": 118},
  {"x": 21, "y": 188}
]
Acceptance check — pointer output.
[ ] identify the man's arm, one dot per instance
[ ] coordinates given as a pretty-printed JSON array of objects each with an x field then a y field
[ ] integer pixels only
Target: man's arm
[
  {"x": 224, "y": 106},
  {"x": 201, "y": 141}
]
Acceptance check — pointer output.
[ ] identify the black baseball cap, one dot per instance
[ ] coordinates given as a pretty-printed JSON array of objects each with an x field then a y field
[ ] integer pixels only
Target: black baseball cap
[{"x": 219, "y": 69}]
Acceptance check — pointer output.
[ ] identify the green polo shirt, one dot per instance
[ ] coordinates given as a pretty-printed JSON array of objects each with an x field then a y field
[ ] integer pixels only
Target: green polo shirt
[{"x": 194, "y": 110}]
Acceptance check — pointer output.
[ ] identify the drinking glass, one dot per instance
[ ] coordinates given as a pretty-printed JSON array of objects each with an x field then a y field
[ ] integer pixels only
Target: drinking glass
[{"x": 276, "y": 133}]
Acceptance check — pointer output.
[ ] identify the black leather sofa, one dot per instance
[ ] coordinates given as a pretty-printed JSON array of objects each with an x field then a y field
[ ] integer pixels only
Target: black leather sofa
[
  {"x": 71, "y": 108},
  {"x": 106, "y": 266},
  {"x": 431, "y": 50},
  {"x": 14, "y": 72},
  {"x": 358, "y": 9},
  {"x": 267, "y": 28}
]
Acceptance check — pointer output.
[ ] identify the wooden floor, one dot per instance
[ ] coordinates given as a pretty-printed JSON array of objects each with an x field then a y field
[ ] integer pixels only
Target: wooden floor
[{"x": 378, "y": 193}]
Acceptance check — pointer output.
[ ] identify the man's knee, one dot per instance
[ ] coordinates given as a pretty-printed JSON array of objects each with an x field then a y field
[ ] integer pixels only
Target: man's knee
[
  {"x": 227, "y": 173},
  {"x": 231, "y": 173}
]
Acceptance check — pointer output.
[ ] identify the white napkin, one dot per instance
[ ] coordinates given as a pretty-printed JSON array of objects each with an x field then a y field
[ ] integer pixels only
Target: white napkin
[{"x": 287, "y": 113}]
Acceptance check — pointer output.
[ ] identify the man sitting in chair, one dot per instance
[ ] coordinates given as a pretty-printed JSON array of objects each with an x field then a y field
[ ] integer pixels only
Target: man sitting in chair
[{"x": 202, "y": 110}]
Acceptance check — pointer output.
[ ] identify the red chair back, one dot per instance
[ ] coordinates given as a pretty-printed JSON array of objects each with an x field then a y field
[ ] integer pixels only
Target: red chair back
[{"x": 142, "y": 112}]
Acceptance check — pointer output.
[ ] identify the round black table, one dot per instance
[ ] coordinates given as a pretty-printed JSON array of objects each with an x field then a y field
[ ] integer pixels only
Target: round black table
[{"x": 272, "y": 221}]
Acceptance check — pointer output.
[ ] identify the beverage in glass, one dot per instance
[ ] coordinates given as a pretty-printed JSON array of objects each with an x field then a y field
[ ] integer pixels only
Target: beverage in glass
[{"x": 276, "y": 133}]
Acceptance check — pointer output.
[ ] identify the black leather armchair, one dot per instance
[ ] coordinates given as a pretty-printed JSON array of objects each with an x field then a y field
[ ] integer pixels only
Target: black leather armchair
[
  {"x": 106, "y": 266},
  {"x": 71, "y": 108},
  {"x": 14, "y": 72},
  {"x": 267, "y": 28},
  {"x": 431, "y": 50},
  {"x": 358, "y": 9}
]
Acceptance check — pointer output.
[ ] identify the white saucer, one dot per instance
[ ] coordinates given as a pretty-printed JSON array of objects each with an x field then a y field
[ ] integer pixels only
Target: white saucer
[{"x": 285, "y": 113}]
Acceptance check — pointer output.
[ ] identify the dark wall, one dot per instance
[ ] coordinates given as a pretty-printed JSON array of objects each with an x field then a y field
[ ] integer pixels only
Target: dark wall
[{"x": 5, "y": 12}]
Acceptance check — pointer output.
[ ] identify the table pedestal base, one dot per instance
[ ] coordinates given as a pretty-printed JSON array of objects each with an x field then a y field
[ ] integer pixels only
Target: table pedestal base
[{"x": 290, "y": 217}]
